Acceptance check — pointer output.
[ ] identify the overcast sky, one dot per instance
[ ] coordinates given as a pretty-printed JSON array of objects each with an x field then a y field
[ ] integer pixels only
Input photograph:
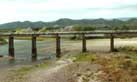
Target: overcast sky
[{"x": 50, "y": 10}]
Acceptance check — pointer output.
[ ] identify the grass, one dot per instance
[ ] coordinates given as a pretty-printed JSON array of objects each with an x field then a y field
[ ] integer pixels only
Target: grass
[
  {"x": 118, "y": 69},
  {"x": 128, "y": 49},
  {"x": 85, "y": 57},
  {"x": 131, "y": 52},
  {"x": 114, "y": 68},
  {"x": 3, "y": 41},
  {"x": 19, "y": 75},
  {"x": 24, "y": 70}
]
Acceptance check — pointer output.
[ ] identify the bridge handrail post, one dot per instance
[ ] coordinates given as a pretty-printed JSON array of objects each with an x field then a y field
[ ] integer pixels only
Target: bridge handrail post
[
  {"x": 111, "y": 42},
  {"x": 84, "y": 48},
  {"x": 34, "y": 48},
  {"x": 58, "y": 47},
  {"x": 11, "y": 47}
]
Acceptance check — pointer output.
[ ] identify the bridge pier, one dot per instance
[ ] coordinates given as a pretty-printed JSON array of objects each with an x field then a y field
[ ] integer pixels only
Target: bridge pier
[
  {"x": 11, "y": 47},
  {"x": 84, "y": 49},
  {"x": 34, "y": 48},
  {"x": 111, "y": 42},
  {"x": 58, "y": 49}
]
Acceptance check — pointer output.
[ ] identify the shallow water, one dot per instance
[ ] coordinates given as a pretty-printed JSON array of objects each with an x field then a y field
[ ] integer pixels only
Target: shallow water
[{"x": 23, "y": 51}]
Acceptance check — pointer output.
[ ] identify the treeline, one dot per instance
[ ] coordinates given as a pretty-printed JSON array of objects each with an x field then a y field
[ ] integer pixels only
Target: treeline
[
  {"x": 2, "y": 41},
  {"x": 78, "y": 25}
]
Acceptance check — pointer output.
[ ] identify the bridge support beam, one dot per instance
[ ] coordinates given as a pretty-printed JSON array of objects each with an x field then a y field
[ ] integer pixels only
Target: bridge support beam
[
  {"x": 84, "y": 49},
  {"x": 34, "y": 48},
  {"x": 11, "y": 47},
  {"x": 58, "y": 49},
  {"x": 111, "y": 42}
]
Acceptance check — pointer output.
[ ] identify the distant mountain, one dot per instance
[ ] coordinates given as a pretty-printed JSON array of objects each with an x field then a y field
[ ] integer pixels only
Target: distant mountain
[
  {"x": 24, "y": 24},
  {"x": 67, "y": 22}
]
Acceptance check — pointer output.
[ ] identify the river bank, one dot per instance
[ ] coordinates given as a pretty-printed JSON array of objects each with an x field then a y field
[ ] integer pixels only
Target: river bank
[{"x": 86, "y": 67}]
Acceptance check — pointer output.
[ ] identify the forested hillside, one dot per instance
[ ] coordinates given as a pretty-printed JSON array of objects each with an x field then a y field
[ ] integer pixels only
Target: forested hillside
[{"x": 98, "y": 24}]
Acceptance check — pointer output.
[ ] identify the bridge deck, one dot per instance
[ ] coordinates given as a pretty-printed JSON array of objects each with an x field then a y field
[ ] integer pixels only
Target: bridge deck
[{"x": 69, "y": 33}]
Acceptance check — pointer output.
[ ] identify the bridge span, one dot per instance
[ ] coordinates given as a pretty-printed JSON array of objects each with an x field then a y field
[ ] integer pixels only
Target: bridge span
[{"x": 59, "y": 35}]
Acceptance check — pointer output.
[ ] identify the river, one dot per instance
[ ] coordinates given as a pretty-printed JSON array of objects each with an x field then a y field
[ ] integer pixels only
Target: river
[
  {"x": 23, "y": 50},
  {"x": 46, "y": 49}
]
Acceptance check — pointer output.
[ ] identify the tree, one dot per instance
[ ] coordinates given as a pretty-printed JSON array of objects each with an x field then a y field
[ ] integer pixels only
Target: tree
[
  {"x": 83, "y": 28},
  {"x": 124, "y": 27}
]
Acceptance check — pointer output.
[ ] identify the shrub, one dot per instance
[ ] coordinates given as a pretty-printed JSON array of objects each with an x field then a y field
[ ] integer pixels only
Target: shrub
[{"x": 2, "y": 41}]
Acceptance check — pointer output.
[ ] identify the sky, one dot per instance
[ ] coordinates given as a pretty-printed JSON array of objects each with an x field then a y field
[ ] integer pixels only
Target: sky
[{"x": 50, "y": 10}]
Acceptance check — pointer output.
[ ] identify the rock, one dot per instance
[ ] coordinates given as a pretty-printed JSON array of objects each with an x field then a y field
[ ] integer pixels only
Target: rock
[{"x": 66, "y": 61}]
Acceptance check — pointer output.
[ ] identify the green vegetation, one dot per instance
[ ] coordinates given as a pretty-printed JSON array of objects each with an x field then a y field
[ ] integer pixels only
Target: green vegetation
[
  {"x": 114, "y": 68},
  {"x": 118, "y": 69},
  {"x": 83, "y": 28},
  {"x": 128, "y": 49},
  {"x": 2, "y": 41},
  {"x": 85, "y": 57},
  {"x": 132, "y": 52},
  {"x": 80, "y": 25},
  {"x": 18, "y": 75},
  {"x": 21, "y": 72},
  {"x": 43, "y": 29}
]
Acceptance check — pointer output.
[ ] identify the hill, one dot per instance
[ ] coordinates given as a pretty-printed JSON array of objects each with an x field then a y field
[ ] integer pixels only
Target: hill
[{"x": 132, "y": 22}]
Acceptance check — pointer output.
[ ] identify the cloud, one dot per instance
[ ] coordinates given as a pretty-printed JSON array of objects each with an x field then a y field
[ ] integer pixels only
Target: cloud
[{"x": 48, "y": 10}]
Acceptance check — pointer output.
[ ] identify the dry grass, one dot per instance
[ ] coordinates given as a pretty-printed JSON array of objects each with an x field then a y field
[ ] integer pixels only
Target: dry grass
[
  {"x": 118, "y": 69},
  {"x": 114, "y": 68},
  {"x": 20, "y": 74}
]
